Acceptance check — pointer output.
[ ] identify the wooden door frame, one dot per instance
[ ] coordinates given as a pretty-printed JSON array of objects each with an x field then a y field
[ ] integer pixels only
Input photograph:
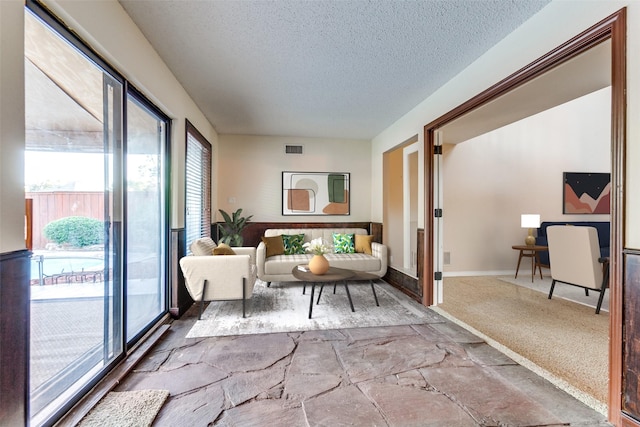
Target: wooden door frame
[{"x": 612, "y": 28}]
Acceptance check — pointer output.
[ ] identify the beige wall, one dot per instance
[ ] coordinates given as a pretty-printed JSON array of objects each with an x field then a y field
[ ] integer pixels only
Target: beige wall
[
  {"x": 490, "y": 180},
  {"x": 249, "y": 174},
  {"x": 551, "y": 27},
  {"x": 393, "y": 207}
]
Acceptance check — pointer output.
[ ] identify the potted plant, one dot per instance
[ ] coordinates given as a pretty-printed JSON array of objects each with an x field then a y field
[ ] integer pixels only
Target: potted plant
[{"x": 231, "y": 229}]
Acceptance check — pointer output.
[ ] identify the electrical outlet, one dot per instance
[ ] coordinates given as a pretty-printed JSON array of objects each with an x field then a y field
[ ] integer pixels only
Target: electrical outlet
[{"x": 447, "y": 258}]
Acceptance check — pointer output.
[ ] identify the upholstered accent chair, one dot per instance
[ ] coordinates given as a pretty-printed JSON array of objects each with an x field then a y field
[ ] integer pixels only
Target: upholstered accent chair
[
  {"x": 575, "y": 258},
  {"x": 231, "y": 275}
]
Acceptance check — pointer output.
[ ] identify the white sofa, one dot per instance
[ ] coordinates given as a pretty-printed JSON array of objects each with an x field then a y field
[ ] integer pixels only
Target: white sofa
[{"x": 278, "y": 268}]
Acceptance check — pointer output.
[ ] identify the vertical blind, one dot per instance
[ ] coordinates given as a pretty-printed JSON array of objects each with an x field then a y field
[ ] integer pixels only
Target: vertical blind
[{"x": 198, "y": 186}]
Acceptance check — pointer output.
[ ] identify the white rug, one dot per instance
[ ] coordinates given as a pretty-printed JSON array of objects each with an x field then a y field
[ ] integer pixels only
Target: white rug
[
  {"x": 283, "y": 308},
  {"x": 137, "y": 408}
]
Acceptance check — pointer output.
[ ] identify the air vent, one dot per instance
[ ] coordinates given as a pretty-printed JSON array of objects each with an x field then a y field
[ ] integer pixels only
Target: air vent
[{"x": 293, "y": 149}]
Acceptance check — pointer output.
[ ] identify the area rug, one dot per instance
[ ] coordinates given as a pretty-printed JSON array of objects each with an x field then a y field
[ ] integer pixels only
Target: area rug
[
  {"x": 137, "y": 408},
  {"x": 562, "y": 337},
  {"x": 283, "y": 308}
]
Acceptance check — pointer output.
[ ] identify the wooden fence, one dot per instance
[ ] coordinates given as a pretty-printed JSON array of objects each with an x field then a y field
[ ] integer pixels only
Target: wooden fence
[{"x": 49, "y": 206}]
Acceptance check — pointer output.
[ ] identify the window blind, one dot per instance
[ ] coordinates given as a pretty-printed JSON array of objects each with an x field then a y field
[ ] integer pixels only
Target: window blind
[{"x": 198, "y": 186}]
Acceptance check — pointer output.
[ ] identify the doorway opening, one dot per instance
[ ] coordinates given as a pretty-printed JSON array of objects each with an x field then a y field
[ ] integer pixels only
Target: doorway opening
[
  {"x": 403, "y": 172},
  {"x": 480, "y": 115}
]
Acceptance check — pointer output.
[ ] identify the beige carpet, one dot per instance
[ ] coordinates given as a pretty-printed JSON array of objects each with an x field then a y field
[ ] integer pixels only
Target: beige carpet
[
  {"x": 137, "y": 408},
  {"x": 562, "y": 337}
]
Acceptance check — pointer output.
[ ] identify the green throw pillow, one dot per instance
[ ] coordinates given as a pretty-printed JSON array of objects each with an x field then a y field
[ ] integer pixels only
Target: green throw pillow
[
  {"x": 293, "y": 244},
  {"x": 343, "y": 243}
]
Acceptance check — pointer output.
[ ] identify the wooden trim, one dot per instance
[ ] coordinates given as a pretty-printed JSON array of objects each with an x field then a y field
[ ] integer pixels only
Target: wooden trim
[
  {"x": 631, "y": 338},
  {"x": 617, "y": 25},
  {"x": 15, "y": 270},
  {"x": 614, "y": 28},
  {"x": 179, "y": 300},
  {"x": 375, "y": 229},
  {"x": 427, "y": 251},
  {"x": 409, "y": 285},
  {"x": 28, "y": 209}
]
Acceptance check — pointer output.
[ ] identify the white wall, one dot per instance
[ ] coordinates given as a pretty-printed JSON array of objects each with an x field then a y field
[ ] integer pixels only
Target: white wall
[
  {"x": 250, "y": 171},
  {"x": 11, "y": 126},
  {"x": 552, "y": 26},
  {"x": 490, "y": 180}
]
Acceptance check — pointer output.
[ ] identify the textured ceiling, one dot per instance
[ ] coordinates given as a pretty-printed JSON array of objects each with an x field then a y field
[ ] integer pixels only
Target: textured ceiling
[{"x": 345, "y": 69}]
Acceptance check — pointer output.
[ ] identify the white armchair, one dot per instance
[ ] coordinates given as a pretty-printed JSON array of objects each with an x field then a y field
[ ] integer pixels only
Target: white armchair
[
  {"x": 211, "y": 277},
  {"x": 574, "y": 254}
]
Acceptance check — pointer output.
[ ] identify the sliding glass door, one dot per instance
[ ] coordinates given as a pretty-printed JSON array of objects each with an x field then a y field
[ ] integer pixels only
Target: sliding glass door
[
  {"x": 95, "y": 171},
  {"x": 74, "y": 131}
]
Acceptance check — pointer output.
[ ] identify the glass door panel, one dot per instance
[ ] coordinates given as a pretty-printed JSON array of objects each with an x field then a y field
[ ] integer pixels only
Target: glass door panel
[
  {"x": 73, "y": 125},
  {"x": 146, "y": 218}
]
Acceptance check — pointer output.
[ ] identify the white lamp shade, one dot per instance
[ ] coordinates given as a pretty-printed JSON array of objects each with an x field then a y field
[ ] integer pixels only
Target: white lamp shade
[{"x": 530, "y": 221}]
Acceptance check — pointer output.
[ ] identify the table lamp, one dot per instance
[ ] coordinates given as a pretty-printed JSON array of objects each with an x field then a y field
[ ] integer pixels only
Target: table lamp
[{"x": 530, "y": 221}]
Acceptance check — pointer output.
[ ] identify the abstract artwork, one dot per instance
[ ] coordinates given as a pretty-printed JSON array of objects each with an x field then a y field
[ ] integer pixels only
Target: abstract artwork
[
  {"x": 586, "y": 193},
  {"x": 315, "y": 193}
]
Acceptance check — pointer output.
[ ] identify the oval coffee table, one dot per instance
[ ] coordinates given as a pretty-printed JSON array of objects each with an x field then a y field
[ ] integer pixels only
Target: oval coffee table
[{"x": 333, "y": 275}]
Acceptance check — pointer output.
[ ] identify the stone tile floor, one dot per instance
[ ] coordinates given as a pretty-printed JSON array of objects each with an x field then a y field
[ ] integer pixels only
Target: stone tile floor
[{"x": 432, "y": 374}]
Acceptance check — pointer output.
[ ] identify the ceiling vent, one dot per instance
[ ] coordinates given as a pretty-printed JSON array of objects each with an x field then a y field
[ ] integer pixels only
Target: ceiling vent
[{"x": 293, "y": 149}]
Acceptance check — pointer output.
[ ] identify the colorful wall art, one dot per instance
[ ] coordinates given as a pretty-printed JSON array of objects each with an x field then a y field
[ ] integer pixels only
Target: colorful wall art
[
  {"x": 315, "y": 193},
  {"x": 586, "y": 193}
]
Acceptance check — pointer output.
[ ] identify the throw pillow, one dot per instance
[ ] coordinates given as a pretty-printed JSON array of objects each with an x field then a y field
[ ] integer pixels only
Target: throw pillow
[
  {"x": 343, "y": 243},
  {"x": 363, "y": 244},
  {"x": 223, "y": 249},
  {"x": 274, "y": 245},
  {"x": 293, "y": 244},
  {"x": 203, "y": 246}
]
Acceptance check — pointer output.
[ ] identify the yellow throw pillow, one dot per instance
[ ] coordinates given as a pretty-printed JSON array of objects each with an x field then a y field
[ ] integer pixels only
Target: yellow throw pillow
[
  {"x": 275, "y": 245},
  {"x": 363, "y": 244},
  {"x": 223, "y": 249}
]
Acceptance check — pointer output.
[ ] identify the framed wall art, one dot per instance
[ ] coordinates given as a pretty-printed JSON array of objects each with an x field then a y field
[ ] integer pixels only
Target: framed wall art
[
  {"x": 586, "y": 193},
  {"x": 315, "y": 193}
]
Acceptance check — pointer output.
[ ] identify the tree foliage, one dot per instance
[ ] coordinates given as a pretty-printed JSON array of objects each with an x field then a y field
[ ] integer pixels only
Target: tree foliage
[{"x": 76, "y": 231}]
